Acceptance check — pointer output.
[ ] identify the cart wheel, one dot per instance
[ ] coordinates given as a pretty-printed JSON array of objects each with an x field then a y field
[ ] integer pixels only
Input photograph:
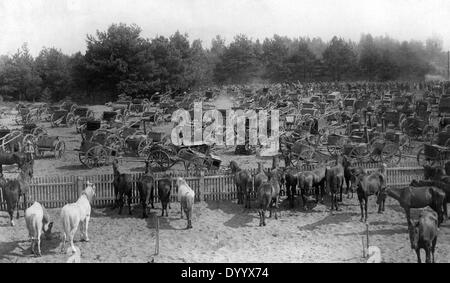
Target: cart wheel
[
  {"x": 60, "y": 148},
  {"x": 38, "y": 131},
  {"x": 159, "y": 159},
  {"x": 30, "y": 138},
  {"x": 391, "y": 154},
  {"x": 73, "y": 107},
  {"x": 144, "y": 148},
  {"x": 70, "y": 120},
  {"x": 95, "y": 157}
]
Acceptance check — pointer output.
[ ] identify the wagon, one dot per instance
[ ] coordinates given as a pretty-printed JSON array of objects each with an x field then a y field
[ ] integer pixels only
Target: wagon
[
  {"x": 26, "y": 115},
  {"x": 391, "y": 118},
  {"x": 62, "y": 117},
  {"x": 444, "y": 106},
  {"x": 415, "y": 128},
  {"x": 94, "y": 154},
  {"x": 45, "y": 143},
  {"x": 432, "y": 153},
  {"x": 81, "y": 115}
]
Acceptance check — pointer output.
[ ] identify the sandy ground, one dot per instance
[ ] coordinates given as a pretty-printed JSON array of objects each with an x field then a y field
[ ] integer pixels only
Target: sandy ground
[{"x": 223, "y": 232}]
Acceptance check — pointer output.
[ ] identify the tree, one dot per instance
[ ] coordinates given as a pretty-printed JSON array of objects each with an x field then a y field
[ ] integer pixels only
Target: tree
[
  {"x": 115, "y": 58},
  {"x": 300, "y": 64},
  {"x": 339, "y": 58},
  {"x": 53, "y": 68},
  {"x": 18, "y": 76},
  {"x": 369, "y": 57},
  {"x": 274, "y": 55}
]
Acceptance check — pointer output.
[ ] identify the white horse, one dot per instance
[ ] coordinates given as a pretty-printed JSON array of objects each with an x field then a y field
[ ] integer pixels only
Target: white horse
[
  {"x": 37, "y": 221},
  {"x": 73, "y": 214},
  {"x": 186, "y": 198}
]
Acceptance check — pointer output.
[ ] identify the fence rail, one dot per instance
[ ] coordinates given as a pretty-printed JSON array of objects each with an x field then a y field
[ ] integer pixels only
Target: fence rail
[{"x": 56, "y": 191}]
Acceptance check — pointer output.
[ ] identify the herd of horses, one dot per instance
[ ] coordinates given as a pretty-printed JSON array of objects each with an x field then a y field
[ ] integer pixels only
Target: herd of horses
[{"x": 432, "y": 193}]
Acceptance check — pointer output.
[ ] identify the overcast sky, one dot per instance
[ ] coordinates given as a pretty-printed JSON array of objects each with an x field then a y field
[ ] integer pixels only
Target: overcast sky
[{"x": 64, "y": 23}]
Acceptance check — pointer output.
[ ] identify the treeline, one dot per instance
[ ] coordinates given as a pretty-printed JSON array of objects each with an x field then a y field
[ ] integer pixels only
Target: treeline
[{"x": 120, "y": 60}]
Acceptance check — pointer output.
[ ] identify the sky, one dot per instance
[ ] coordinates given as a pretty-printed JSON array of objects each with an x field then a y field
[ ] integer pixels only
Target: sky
[{"x": 64, "y": 24}]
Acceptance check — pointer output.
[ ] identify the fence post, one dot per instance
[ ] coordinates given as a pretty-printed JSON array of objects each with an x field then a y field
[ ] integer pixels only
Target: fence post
[
  {"x": 202, "y": 185},
  {"x": 79, "y": 185}
]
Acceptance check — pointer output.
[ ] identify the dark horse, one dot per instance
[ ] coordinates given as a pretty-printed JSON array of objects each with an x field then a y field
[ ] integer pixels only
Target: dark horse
[
  {"x": 146, "y": 189},
  {"x": 423, "y": 234},
  {"x": 243, "y": 183},
  {"x": 367, "y": 185},
  {"x": 268, "y": 196},
  {"x": 419, "y": 197},
  {"x": 11, "y": 158},
  {"x": 122, "y": 187},
  {"x": 334, "y": 178},
  {"x": 14, "y": 189}
]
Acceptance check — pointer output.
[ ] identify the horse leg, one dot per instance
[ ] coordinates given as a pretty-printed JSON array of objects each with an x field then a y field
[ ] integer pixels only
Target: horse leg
[
  {"x": 152, "y": 196},
  {"x": 17, "y": 206},
  {"x": 167, "y": 212},
  {"x": 427, "y": 254},
  {"x": 85, "y": 226},
  {"x": 38, "y": 242},
  {"x": 181, "y": 211},
  {"x": 121, "y": 196},
  {"x": 365, "y": 208},
  {"x": 71, "y": 236},
  {"x": 63, "y": 243},
  {"x": 362, "y": 210},
  {"x": 276, "y": 208},
  {"x": 260, "y": 217},
  {"x": 129, "y": 203},
  {"x": 433, "y": 247}
]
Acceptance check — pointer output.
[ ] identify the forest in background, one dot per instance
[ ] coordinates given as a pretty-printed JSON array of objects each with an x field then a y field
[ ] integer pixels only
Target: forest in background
[{"x": 120, "y": 61}]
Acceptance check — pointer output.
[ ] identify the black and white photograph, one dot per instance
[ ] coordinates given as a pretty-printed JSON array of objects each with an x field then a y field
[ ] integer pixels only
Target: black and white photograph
[{"x": 224, "y": 132}]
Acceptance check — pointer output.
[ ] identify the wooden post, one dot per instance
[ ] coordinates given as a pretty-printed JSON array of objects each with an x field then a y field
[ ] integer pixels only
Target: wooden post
[
  {"x": 367, "y": 235},
  {"x": 202, "y": 185},
  {"x": 157, "y": 235},
  {"x": 79, "y": 185}
]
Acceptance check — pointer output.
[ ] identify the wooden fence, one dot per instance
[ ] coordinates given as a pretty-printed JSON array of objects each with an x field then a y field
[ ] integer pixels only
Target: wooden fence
[{"x": 56, "y": 191}]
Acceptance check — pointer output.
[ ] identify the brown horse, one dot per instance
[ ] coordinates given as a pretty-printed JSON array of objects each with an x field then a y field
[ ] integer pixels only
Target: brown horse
[
  {"x": 418, "y": 197},
  {"x": 368, "y": 185},
  {"x": 14, "y": 189},
  {"x": 433, "y": 172},
  {"x": 438, "y": 184},
  {"x": 309, "y": 180},
  {"x": 122, "y": 187},
  {"x": 164, "y": 188},
  {"x": 334, "y": 179},
  {"x": 349, "y": 175},
  {"x": 12, "y": 158},
  {"x": 146, "y": 189},
  {"x": 291, "y": 176},
  {"x": 243, "y": 183},
  {"x": 260, "y": 177},
  {"x": 268, "y": 196},
  {"x": 423, "y": 234}
]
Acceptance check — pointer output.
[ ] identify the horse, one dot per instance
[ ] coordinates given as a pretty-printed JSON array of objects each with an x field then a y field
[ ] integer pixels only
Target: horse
[
  {"x": 423, "y": 234},
  {"x": 370, "y": 184},
  {"x": 74, "y": 214},
  {"x": 418, "y": 197},
  {"x": 291, "y": 181},
  {"x": 312, "y": 179},
  {"x": 438, "y": 184},
  {"x": 14, "y": 189},
  {"x": 37, "y": 221},
  {"x": 186, "y": 198},
  {"x": 243, "y": 183},
  {"x": 260, "y": 177},
  {"x": 334, "y": 179},
  {"x": 349, "y": 175},
  {"x": 145, "y": 186},
  {"x": 164, "y": 188},
  {"x": 12, "y": 158},
  {"x": 268, "y": 196},
  {"x": 122, "y": 187}
]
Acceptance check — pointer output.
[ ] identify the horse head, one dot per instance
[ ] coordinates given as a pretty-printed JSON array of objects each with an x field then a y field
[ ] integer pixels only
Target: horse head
[{"x": 89, "y": 191}]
